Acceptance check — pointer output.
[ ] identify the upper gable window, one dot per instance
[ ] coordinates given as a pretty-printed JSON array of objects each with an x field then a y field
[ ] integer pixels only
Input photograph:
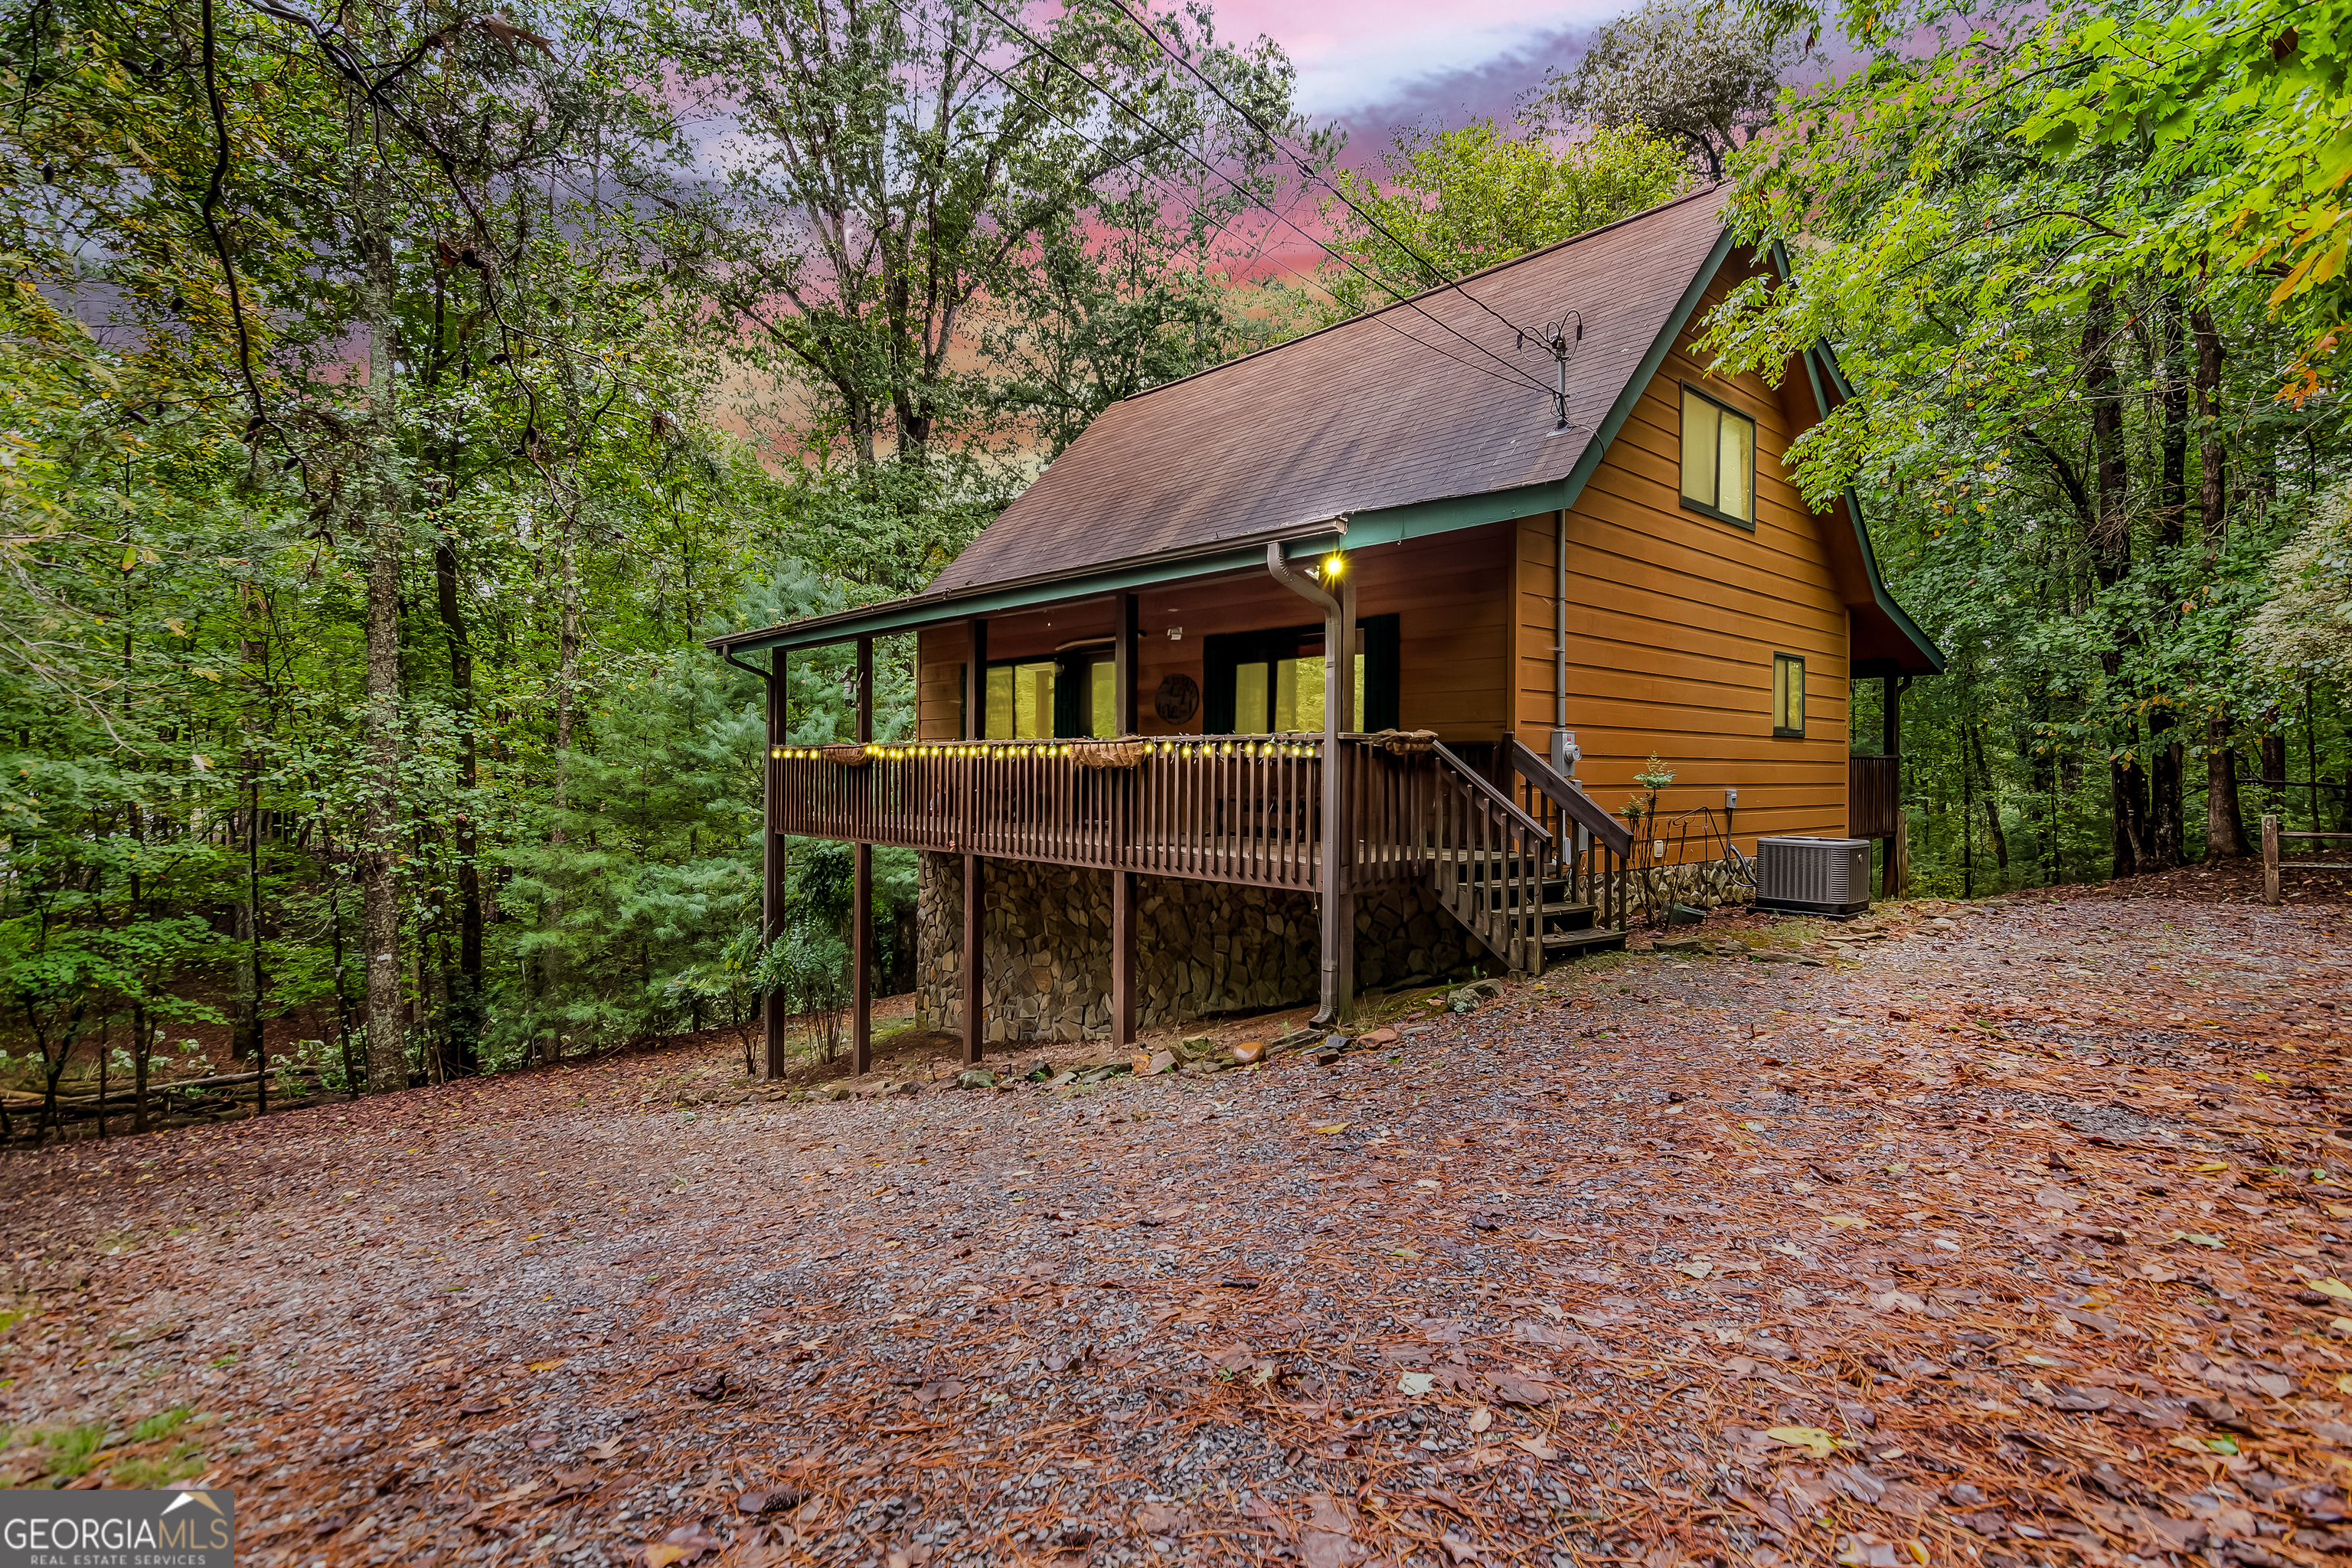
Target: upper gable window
[{"x": 1718, "y": 460}]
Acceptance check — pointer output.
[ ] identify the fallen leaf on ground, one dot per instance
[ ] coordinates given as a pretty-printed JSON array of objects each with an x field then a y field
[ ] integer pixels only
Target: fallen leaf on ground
[{"x": 1813, "y": 1439}]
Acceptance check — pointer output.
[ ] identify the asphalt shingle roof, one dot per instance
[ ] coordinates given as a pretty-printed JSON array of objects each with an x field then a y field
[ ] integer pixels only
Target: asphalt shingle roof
[{"x": 1383, "y": 410}]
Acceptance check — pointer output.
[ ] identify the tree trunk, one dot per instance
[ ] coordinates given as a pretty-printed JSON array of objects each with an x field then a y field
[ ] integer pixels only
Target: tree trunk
[
  {"x": 2168, "y": 829},
  {"x": 2212, "y": 490},
  {"x": 253, "y": 654},
  {"x": 2110, "y": 544},
  {"x": 1993, "y": 834},
  {"x": 2225, "y": 823},
  {"x": 2128, "y": 789},
  {"x": 379, "y": 506},
  {"x": 2172, "y": 464},
  {"x": 2111, "y": 475},
  {"x": 463, "y": 1021},
  {"x": 567, "y": 660},
  {"x": 139, "y": 1048}
]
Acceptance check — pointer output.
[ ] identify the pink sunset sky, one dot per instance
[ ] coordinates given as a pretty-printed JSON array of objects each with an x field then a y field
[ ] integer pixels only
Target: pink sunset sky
[{"x": 1376, "y": 64}]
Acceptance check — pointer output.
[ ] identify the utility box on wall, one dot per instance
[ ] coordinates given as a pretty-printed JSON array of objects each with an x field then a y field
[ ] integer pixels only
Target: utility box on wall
[{"x": 1813, "y": 876}]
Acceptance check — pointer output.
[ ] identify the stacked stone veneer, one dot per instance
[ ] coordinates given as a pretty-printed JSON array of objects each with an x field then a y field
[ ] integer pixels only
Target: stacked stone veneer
[
  {"x": 1201, "y": 948},
  {"x": 1703, "y": 884}
]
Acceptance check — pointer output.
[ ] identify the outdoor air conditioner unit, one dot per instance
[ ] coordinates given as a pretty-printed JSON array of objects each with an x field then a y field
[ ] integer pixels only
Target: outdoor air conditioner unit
[{"x": 1813, "y": 876}]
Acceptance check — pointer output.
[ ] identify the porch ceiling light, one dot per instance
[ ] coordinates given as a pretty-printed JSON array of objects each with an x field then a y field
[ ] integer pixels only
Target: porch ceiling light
[{"x": 1333, "y": 565}]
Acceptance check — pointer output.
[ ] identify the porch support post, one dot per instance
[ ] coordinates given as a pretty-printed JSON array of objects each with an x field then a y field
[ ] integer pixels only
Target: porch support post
[
  {"x": 1338, "y": 921},
  {"x": 1122, "y": 959},
  {"x": 861, "y": 902},
  {"x": 1894, "y": 857},
  {"x": 975, "y": 680},
  {"x": 975, "y": 728},
  {"x": 1123, "y": 666},
  {"x": 1339, "y": 832},
  {"x": 1126, "y": 721},
  {"x": 771, "y": 870},
  {"x": 972, "y": 961}
]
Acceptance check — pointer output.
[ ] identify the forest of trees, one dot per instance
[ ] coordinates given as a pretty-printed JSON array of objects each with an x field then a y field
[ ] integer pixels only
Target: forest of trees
[{"x": 397, "y": 395}]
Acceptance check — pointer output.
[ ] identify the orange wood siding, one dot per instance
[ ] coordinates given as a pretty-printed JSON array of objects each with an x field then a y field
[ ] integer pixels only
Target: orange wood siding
[
  {"x": 939, "y": 653},
  {"x": 1673, "y": 618},
  {"x": 1452, "y": 632}
]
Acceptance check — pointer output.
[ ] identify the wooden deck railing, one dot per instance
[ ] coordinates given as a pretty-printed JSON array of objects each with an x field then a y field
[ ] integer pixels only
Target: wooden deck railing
[
  {"x": 1873, "y": 804},
  {"x": 1589, "y": 847},
  {"x": 1240, "y": 809},
  {"x": 1490, "y": 860}
]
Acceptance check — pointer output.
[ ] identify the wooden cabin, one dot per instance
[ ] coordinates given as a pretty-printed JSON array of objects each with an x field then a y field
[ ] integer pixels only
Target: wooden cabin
[{"x": 1144, "y": 794}]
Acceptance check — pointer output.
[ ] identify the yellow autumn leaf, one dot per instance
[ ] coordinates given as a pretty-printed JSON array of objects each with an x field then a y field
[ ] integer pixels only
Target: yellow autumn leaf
[
  {"x": 663, "y": 1554},
  {"x": 2336, "y": 1288},
  {"x": 1813, "y": 1439},
  {"x": 2210, "y": 1166},
  {"x": 1844, "y": 1219},
  {"x": 1333, "y": 1127},
  {"x": 547, "y": 1365}
]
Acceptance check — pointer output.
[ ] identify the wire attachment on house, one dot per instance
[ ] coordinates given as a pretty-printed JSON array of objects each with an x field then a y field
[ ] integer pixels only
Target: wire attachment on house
[{"x": 1560, "y": 337}]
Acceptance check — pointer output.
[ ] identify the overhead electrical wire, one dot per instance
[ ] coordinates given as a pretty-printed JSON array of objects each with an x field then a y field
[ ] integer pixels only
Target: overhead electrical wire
[
  {"x": 1519, "y": 374},
  {"x": 1074, "y": 129},
  {"x": 1266, "y": 134}
]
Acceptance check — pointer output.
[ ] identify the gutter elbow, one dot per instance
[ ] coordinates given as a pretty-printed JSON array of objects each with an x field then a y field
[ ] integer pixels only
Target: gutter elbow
[{"x": 1305, "y": 587}]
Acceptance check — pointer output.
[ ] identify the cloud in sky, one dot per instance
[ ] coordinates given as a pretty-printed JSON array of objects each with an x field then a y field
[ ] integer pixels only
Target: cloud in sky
[
  {"x": 1409, "y": 55},
  {"x": 1492, "y": 89}
]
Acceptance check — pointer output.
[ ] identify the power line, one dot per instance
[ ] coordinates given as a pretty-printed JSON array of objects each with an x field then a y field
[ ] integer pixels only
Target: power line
[
  {"x": 1162, "y": 181},
  {"x": 1264, "y": 133},
  {"x": 1518, "y": 373}
]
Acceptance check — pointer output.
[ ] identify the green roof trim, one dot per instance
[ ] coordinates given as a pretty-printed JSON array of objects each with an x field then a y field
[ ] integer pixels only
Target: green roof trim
[
  {"x": 1392, "y": 525},
  {"x": 1816, "y": 363},
  {"x": 893, "y": 615}
]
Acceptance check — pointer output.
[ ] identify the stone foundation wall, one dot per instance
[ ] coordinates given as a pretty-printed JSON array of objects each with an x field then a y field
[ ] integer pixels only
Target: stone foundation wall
[
  {"x": 1201, "y": 948},
  {"x": 1702, "y": 884}
]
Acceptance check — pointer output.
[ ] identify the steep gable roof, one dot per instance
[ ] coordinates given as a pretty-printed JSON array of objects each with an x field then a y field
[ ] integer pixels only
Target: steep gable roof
[
  {"x": 1388, "y": 420},
  {"x": 1384, "y": 410}
]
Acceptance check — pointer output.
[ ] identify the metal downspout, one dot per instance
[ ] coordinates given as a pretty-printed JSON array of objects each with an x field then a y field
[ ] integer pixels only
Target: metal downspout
[
  {"x": 1562, "y": 743},
  {"x": 1335, "y": 939}
]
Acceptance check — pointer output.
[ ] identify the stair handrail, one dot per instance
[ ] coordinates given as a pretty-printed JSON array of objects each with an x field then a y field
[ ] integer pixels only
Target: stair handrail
[
  {"x": 1493, "y": 796},
  {"x": 1563, "y": 793}
]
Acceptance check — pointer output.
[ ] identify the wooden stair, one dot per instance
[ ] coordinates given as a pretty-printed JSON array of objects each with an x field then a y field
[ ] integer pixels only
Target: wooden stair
[
  {"x": 1524, "y": 915},
  {"x": 1537, "y": 878}
]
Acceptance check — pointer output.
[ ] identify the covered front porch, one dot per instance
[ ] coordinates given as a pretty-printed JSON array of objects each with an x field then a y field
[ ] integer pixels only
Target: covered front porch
[{"x": 1129, "y": 758}]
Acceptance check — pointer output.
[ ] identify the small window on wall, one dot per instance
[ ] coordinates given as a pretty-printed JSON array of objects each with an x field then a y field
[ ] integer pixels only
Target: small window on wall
[
  {"x": 1788, "y": 697},
  {"x": 1718, "y": 460}
]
